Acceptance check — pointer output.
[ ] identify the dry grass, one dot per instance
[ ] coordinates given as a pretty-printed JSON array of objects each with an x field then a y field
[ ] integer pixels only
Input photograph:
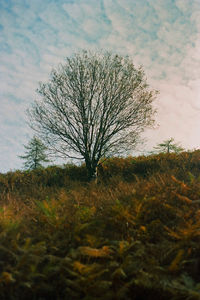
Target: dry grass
[{"x": 134, "y": 235}]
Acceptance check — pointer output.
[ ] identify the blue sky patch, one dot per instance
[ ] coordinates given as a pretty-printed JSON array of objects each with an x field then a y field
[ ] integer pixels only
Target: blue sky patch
[{"x": 161, "y": 35}]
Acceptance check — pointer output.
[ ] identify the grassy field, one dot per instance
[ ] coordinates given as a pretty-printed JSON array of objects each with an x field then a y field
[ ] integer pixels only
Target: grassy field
[{"x": 133, "y": 235}]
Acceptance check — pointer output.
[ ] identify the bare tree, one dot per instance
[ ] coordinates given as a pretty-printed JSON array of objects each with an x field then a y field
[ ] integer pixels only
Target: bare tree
[{"x": 94, "y": 105}]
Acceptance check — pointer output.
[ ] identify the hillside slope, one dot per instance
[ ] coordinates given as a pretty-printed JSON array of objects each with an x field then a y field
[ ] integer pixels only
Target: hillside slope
[{"x": 133, "y": 235}]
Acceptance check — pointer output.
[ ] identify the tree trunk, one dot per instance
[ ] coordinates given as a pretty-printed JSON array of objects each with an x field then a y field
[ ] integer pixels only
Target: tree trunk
[
  {"x": 168, "y": 148},
  {"x": 91, "y": 170}
]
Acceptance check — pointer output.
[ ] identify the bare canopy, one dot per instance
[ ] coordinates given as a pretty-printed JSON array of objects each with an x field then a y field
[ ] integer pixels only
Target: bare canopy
[{"x": 93, "y": 105}]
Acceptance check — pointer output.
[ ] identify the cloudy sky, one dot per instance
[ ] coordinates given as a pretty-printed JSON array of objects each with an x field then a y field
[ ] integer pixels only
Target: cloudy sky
[{"x": 162, "y": 35}]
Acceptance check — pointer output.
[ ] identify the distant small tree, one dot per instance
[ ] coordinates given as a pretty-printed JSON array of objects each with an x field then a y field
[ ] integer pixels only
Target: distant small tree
[
  {"x": 168, "y": 146},
  {"x": 35, "y": 154}
]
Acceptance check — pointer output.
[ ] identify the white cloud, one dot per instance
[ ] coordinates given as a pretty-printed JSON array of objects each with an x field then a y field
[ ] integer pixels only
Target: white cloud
[
  {"x": 183, "y": 6},
  {"x": 162, "y": 35}
]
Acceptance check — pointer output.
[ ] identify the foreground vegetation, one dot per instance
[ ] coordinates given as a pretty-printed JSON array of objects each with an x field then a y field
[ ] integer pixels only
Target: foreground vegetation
[{"x": 133, "y": 235}]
